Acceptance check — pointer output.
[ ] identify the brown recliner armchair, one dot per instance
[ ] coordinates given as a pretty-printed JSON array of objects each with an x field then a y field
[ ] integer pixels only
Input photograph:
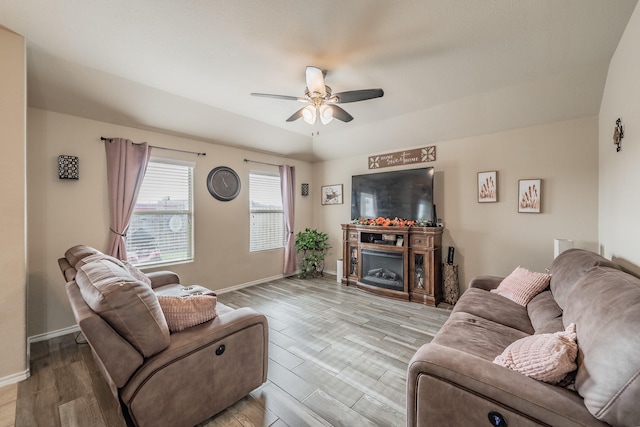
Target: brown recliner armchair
[{"x": 161, "y": 378}]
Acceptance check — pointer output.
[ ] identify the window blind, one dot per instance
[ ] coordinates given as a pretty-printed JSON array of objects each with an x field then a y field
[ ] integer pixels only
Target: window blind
[
  {"x": 266, "y": 212},
  {"x": 161, "y": 227}
]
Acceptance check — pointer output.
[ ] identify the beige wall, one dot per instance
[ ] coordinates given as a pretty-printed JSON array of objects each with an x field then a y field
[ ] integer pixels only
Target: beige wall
[
  {"x": 619, "y": 172},
  {"x": 63, "y": 213},
  {"x": 12, "y": 187},
  {"x": 493, "y": 238},
  {"x": 489, "y": 238}
]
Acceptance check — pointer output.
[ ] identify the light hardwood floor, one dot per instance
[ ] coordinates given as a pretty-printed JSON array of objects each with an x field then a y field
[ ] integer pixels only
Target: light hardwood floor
[{"x": 337, "y": 356}]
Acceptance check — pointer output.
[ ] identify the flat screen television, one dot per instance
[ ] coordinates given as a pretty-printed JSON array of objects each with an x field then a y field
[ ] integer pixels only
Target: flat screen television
[{"x": 405, "y": 194}]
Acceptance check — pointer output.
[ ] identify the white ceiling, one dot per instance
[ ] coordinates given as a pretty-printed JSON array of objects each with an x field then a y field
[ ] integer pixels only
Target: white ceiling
[{"x": 449, "y": 69}]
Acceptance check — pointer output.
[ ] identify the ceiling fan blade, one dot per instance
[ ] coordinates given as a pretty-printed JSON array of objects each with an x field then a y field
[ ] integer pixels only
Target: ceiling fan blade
[
  {"x": 285, "y": 97},
  {"x": 315, "y": 80},
  {"x": 295, "y": 116},
  {"x": 356, "y": 95},
  {"x": 341, "y": 114}
]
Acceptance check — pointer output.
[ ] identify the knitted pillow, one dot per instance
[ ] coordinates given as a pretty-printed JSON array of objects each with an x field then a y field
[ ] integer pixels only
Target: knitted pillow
[
  {"x": 544, "y": 357},
  {"x": 522, "y": 285},
  {"x": 183, "y": 312}
]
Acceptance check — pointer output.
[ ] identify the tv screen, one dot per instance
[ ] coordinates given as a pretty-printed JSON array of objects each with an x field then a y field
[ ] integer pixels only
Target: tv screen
[{"x": 405, "y": 194}]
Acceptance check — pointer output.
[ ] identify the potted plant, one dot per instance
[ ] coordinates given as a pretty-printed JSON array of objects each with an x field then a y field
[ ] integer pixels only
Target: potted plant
[{"x": 312, "y": 244}]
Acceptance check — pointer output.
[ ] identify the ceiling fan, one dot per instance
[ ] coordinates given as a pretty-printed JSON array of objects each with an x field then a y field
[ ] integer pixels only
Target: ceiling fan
[{"x": 322, "y": 102}]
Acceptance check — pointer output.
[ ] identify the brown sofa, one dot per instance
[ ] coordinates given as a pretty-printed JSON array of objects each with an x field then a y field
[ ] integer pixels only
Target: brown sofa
[
  {"x": 161, "y": 378},
  {"x": 453, "y": 381}
]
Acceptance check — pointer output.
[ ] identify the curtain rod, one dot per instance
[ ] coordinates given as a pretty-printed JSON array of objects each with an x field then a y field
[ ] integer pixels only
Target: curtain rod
[
  {"x": 262, "y": 163},
  {"x": 162, "y": 148}
]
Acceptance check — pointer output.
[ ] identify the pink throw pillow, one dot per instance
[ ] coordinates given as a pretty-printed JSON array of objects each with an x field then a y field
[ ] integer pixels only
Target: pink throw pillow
[
  {"x": 544, "y": 357},
  {"x": 183, "y": 312},
  {"x": 522, "y": 285}
]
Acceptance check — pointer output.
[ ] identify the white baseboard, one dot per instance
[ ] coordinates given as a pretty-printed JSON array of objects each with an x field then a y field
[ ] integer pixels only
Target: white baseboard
[
  {"x": 48, "y": 335},
  {"x": 20, "y": 376},
  {"x": 14, "y": 378},
  {"x": 53, "y": 334},
  {"x": 246, "y": 285},
  {"x": 75, "y": 328}
]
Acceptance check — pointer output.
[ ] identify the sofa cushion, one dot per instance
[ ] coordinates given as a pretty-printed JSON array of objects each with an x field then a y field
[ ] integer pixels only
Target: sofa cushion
[
  {"x": 129, "y": 306},
  {"x": 187, "y": 311},
  {"x": 544, "y": 357},
  {"x": 493, "y": 307},
  {"x": 76, "y": 253},
  {"x": 133, "y": 270},
  {"x": 97, "y": 257},
  {"x": 605, "y": 306},
  {"x": 522, "y": 285},
  {"x": 178, "y": 290},
  {"x": 137, "y": 273},
  {"x": 567, "y": 269},
  {"x": 545, "y": 314},
  {"x": 475, "y": 335}
]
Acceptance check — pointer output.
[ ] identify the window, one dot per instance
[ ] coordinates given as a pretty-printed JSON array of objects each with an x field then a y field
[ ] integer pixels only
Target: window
[
  {"x": 161, "y": 228},
  {"x": 265, "y": 209}
]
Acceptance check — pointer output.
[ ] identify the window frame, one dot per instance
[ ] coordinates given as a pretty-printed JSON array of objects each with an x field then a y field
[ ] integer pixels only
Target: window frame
[
  {"x": 189, "y": 212},
  {"x": 281, "y": 242}
]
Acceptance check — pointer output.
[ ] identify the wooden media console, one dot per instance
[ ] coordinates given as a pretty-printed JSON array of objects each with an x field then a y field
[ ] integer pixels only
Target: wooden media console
[{"x": 397, "y": 262}]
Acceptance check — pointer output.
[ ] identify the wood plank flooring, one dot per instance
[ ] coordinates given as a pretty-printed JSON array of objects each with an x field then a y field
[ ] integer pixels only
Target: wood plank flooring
[{"x": 337, "y": 357}]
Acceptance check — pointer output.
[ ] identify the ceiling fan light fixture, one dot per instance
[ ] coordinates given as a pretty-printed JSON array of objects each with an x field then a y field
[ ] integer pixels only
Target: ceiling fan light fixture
[
  {"x": 322, "y": 102},
  {"x": 326, "y": 114},
  {"x": 315, "y": 81},
  {"x": 309, "y": 114}
]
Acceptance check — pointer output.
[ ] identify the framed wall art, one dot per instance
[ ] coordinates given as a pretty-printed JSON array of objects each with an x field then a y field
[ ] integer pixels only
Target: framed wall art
[
  {"x": 331, "y": 194},
  {"x": 529, "y": 195},
  {"x": 488, "y": 187}
]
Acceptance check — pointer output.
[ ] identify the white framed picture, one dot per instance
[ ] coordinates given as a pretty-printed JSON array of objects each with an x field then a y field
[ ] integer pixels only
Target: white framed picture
[
  {"x": 488, "y": 187},
  {"x": 530, "y": 195},
  {"x": 331, "y": 194}
]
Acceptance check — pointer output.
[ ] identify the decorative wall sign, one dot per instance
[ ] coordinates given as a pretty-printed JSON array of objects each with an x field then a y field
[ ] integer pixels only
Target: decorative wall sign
[
  {"x": 529, "y": 195},
  {"x": 407, "y": 157},
  {"x": 68, "y": 167},
  {"x": 331, "y": 194}
]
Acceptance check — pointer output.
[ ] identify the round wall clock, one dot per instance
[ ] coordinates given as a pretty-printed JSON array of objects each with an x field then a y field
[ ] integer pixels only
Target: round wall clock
[{"x": 223, "y": 183}]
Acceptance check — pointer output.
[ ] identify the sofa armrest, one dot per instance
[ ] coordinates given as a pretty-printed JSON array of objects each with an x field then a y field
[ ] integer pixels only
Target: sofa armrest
[
  {"x": 205, "y": 369},
  {"x": 450, "y": 387},
  {"x": 485, "y": 282},
  {"x": 199, "y": 337},
  {"x": 115, "y": 354},
  {"x": 161, "y": 278}
]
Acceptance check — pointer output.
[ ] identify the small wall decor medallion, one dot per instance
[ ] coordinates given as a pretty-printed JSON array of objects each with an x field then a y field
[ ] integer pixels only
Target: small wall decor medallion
[
  {"x": 68, "y": 167},
  {"x": 331, "y": 194},
  {"x": 407, "y": 157},
  {"x": 618, "y": 134},
  {"x": 487, "y": 187},
  {"x": 529, "y": 195}
]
